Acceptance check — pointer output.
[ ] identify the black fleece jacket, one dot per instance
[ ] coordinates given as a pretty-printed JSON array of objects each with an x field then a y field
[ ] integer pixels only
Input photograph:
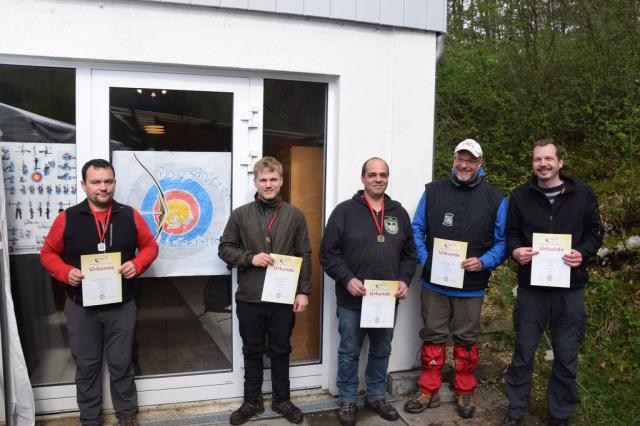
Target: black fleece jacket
[
  {"x": 575, "y": 211},
  {"x": 350, "y": 248}
]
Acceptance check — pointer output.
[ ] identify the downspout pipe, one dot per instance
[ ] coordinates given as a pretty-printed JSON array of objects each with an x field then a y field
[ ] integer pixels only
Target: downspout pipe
[{"x": 440, "y": 38}]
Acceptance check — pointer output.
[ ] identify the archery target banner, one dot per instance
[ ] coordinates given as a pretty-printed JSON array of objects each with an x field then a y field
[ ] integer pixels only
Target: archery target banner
[{"x": 185, "y": 200}]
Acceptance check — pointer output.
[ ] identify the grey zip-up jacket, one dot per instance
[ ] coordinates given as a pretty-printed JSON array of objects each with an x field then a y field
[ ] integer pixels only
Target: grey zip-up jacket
[{"x": 245, "y": 235}]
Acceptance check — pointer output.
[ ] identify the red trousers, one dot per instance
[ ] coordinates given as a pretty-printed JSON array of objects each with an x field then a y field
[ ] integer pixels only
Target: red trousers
[{"x": 432, "y": 357}]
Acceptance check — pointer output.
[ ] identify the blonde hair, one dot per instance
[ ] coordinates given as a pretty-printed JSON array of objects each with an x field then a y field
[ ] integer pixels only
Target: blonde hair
[{"x": 269, "y": 163}]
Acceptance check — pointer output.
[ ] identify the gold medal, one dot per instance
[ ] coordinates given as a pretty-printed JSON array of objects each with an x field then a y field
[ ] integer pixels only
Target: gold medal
[{"x": 381, "y": 238}]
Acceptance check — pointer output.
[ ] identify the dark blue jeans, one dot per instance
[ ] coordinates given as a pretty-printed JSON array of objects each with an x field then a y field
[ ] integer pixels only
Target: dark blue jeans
[
  {"x": 351, "y": 339},
  {"x": 563, "y": 310}
]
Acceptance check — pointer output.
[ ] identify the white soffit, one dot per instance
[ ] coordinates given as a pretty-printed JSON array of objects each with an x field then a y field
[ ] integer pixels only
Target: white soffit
[{"x": 428, "y": 15}]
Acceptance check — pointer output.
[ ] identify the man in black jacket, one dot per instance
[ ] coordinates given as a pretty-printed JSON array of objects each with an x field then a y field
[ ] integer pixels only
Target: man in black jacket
[
  {"x": 254, "y": 231},
  {"x": 552, "y": 204},
  {"x": 367, "y": 237}
]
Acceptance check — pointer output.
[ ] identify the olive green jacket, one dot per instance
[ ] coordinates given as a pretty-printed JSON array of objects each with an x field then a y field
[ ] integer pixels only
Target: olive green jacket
[{"x": 245, "y": 235}]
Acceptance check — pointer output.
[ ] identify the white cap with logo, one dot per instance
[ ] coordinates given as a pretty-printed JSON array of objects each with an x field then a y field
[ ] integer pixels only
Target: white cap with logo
[{"x": 469, "y": 145}]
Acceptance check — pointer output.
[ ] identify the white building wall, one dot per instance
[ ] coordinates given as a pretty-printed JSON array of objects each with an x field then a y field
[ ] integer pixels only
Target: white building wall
[{"x": 384, "y": 86}]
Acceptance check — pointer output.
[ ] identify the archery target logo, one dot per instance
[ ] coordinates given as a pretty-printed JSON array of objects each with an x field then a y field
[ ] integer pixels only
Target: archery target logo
[{"x": 188, "y": 213}]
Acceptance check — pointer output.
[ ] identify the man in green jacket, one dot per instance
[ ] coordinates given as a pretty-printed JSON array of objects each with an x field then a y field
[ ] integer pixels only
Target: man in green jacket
[{"x": 254, "y": 232}]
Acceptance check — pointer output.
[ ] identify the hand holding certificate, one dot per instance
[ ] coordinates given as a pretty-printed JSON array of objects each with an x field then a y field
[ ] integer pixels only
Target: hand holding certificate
[
  {"x": 547, "y": 267},
  {"x": 102, "y": 283},
  {"x": 281, "y": 279},
  {"x": 446, "y": 268},
  {"x": 378, "y": 304}
]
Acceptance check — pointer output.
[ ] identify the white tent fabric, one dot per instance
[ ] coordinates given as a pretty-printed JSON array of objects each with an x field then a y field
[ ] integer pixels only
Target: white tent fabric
[{"x": 21, "y": 402}]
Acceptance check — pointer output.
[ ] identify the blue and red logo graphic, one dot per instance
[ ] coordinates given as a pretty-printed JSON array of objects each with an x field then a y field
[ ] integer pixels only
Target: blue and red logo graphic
[{"x": 180, "y": 209}]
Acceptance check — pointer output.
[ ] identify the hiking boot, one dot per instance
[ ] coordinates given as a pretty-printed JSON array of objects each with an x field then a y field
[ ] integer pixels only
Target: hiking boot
[
  {"x": 554, "y": 421},
  {"x": 466, "y": 406},
  {"x": 245, "y": 412},
  {"x": 347, "y": 413},
  {"x": 510, "y": 421},
  {"x": 421, "y": 402},
  {"x": 383, "y": 408},
  {"x": 128, "y": 421},
  {"x": 288, "y": 411}
]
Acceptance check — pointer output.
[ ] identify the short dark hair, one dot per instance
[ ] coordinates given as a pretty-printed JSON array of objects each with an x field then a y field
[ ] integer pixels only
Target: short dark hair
[
  {"x": 364, "y": 165},
  {"x": 550, "y": 141},
  {"x": 97, "y": 163}
]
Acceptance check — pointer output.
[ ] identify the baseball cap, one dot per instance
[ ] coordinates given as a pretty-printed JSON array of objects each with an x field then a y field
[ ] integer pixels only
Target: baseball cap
[{"x": 469, "y": 145}]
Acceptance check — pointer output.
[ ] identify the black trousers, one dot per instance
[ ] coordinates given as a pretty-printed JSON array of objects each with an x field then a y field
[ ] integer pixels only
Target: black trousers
[
  {"x": 265, "y": 329},
  {"x": 563, "y": 310}
]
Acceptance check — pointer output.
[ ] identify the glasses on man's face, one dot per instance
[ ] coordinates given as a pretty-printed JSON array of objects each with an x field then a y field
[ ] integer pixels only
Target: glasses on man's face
[{"x": 467, "y": 162}]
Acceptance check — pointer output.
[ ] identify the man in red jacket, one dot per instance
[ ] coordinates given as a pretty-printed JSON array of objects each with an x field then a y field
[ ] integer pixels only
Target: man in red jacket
[{"x": 100, "y": 225}]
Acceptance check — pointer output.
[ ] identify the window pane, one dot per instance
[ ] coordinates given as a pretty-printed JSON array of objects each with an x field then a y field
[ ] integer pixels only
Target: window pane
[
  {"x": 37, "y": 139},
  {"x": 294, "y": 133},
  {"x": 174, "y": 147}
]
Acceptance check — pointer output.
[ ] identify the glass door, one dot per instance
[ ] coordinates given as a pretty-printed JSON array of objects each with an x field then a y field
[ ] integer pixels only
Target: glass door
[{"x": 179, "y": 144}]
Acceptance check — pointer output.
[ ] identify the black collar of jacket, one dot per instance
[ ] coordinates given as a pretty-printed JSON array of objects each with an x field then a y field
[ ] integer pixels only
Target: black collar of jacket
[
  {"x": 84, "y": 207},
  {"x": 569, "y": 184}
]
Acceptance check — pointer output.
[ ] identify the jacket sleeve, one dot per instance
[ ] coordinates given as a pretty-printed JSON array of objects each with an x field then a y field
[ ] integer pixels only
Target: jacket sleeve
[
  {"x": 303, "y": 249},
  {"x": 230, "y": 249},
  {"x": 147, "y": 245},
  {"x": 498, "y": 253},
  {"x": 331, "y": 250},
  {"x": 514, "y": 226},
  {"x": 52, "y": 250},
  {"x": 408, "y": 255},
  {"x": 592, "y": 225},
  {"x": 419, "y": 225}
]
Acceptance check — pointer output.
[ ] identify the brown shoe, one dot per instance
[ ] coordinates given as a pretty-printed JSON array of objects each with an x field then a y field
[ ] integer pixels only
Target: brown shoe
[
  {"x": 347, "y": 413},
  {"x": 288, "y": 410},
  {"x": 466, "y": 406},
  {"x": 421, "y": 402},
  {"x": 383, "y": 408},
  {"x": 128, "y": 421}
]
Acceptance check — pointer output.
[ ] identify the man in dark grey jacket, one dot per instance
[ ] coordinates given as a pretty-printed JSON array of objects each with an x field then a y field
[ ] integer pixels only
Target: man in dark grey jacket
[
  {"x": 256, "y": 230},
  {"x": 368, "y": 237}
]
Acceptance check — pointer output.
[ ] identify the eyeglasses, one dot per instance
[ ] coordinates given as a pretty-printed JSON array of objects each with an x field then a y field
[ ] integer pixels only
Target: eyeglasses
[{"x": 467, "y": 162}]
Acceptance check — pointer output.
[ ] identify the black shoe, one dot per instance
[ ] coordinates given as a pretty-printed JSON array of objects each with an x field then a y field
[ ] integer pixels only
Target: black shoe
[
  {"x": 421, "y": 402},
  {"x": 383, "y": 408},
  {"x": 510, "y": 421},
  {"x": 288, "y": 411},
  {"x": 466, "y": 406},
  {"x": 554, "y": 421},
  {"x": 245, "y": 412},
  {"x": 347, "y": 413}
]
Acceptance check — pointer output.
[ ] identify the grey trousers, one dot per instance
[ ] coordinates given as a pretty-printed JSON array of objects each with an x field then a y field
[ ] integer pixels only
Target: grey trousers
[
  {"x": 444, "y": 315},
  {"x": 92, "y": 330}
]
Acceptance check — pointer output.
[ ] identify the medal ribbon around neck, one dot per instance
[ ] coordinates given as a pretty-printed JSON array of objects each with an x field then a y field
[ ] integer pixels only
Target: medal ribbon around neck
[
  {"x": 375, "y": 218},
  {"x": 102, "y": 231},
  {"x": 270, "y": 224}
]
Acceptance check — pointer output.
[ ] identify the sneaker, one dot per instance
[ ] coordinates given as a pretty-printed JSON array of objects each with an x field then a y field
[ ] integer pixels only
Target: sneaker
[
  {"x": 421, "y": 402},
  {"x": 347, "y": 414},
  {"x": 554, "y": 421},
  {"x": 128, "y": 421},
  {"x": 288, "y": 411},
  {"x": 510, "y": 421},
  {"x": 383, "y": 408},
  {"x": 466, "y": 406},
  {"x": 245, "y": 412}
]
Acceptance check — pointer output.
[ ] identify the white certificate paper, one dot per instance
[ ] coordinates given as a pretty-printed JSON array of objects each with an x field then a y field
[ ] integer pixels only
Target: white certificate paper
[
  {"x": 379, "y": 304},
  {"x": 281, "y": 279},
  {"x": 547, "y": 267},
  {"x": 102, "y": 283},
  {"x": 446, "y": 266}
]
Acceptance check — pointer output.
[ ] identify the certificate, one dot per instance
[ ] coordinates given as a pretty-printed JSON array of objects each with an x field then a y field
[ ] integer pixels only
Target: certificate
[
  {"x": 102, "y": 283},
  {"x": 547, "y": 267},
  {"x": 446, "y": 268},
  {"x": 281, "y": 279},
  {"x": 379, "y": 304}
]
